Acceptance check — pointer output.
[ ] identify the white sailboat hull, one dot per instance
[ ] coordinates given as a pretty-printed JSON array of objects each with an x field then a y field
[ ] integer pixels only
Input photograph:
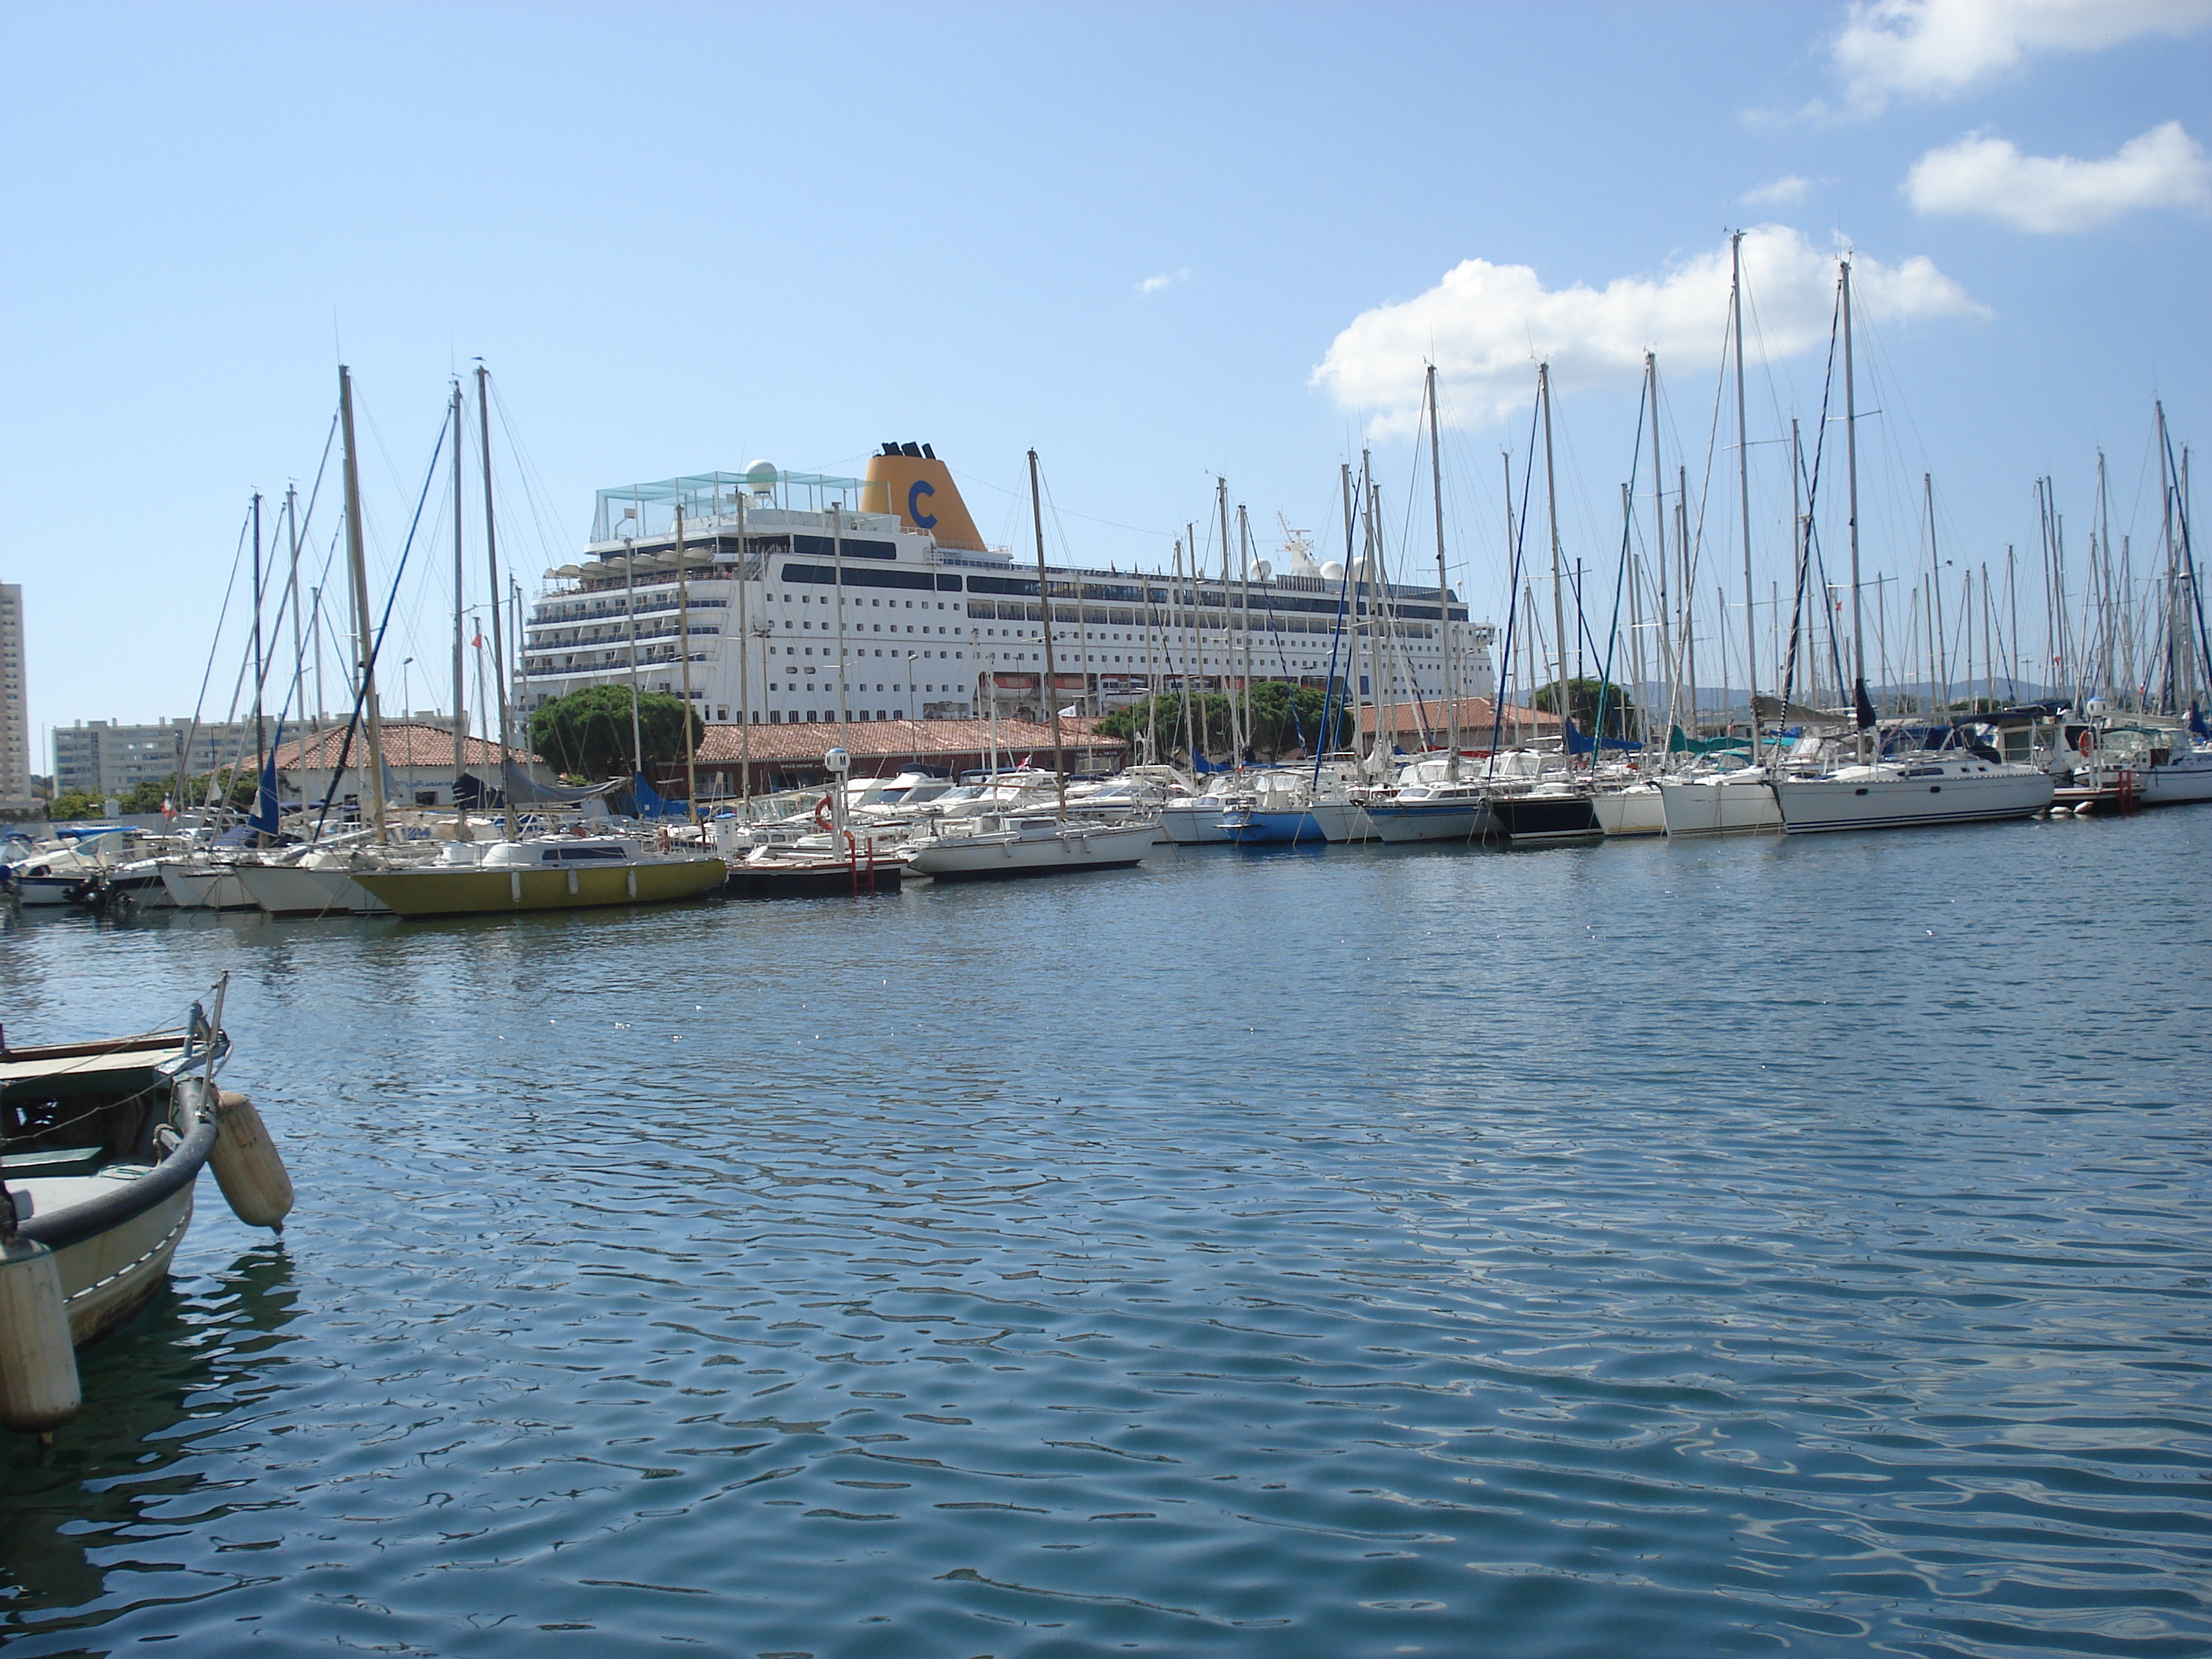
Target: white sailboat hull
[
  {"x": 995, "y": 855},
  {"x": 1193, "y": 824},
  {"x": 1911, "y": 797},
  {"x": 1718, "y": 807},
  {"x": 2181, "y": 783},
  {"x": 288, "y": 890},
  {"x": 1636, "y": 811},
  {"x": 1401, "y": 822},
  {"x": 205, "y": 887},
  {"x": 1341, "y": 821}
]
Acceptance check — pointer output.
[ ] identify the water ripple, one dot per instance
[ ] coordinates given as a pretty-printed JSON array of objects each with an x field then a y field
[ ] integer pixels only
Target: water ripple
[{"x": 1793, "y": 1247}]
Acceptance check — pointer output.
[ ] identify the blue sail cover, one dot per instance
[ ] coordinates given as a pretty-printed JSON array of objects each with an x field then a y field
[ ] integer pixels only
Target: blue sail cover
[
  {"x": 650, "y": 804},
  {"x": 264, "y": 816},
  {"x": 1579, "y": 744}
]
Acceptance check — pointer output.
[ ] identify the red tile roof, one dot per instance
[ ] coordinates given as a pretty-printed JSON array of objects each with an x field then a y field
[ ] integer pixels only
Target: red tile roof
[
  {"x": 872, "y": 740},
  {"x": 1477, "y": 715},
  {"x": 405, "y": 743}
]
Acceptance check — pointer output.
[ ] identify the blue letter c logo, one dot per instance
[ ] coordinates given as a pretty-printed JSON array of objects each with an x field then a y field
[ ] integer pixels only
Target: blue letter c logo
[{"x": 914, "y": 504}]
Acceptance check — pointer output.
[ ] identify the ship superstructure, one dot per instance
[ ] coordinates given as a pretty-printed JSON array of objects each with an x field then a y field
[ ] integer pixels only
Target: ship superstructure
[{"x": 806, "y": 598}]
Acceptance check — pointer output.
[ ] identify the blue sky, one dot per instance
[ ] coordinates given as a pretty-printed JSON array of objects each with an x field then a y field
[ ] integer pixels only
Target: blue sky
[{"x": 686, "y": 237}]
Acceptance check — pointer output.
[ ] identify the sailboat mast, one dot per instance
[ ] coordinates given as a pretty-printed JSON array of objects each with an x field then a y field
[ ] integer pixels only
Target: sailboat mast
[
  {"x": 260, "y": 732},
  {"x": 1504, "y": 678},
  {"x": 1237, "y": 740},
  {"x": 684, "y": 652},
  {"x": 299, "y": 646},
  {"x": 1659, "y": 526},
  {"x": 1244, "y": 582},
  {"x": 491, "y": 564},
  {"x": 1851, "y": 492},
  {"x": 1182, "y": 641},
  {"x": 460, "y": 609},
  {"x": 1558, "y": 585},
  {"x": 745, "y": 664},
  {"x": 1443, "y": 584},
  {"x": 1044, "y": 594},
  {"x": 837, "y": 576},
  {"x": 1939, "y": 639},
  {"x": 1685, "y": 606},
  {"x": 1743, "y": 490},
  {"x": 357, "y": 560}
]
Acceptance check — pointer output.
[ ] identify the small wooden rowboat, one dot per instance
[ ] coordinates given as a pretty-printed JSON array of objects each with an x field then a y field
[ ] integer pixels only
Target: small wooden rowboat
[{"x": 101, "y": 1145}]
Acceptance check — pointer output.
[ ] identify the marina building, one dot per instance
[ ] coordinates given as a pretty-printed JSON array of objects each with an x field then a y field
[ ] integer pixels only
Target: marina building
[
  {"x": 16, "y": 799},
  {"x": 106, "y": 757},
  {"x": 418, "y": 765},
  {"x": 797, "y": 598}
]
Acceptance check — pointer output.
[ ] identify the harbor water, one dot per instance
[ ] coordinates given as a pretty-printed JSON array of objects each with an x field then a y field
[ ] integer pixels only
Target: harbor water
[{"x": 1769, "y": 1247}]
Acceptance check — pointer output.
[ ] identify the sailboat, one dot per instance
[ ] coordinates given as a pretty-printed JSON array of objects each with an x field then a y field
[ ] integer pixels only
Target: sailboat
[
  {"x": 1950, "y": 786},
  {"x": 1730, "y": 801}
]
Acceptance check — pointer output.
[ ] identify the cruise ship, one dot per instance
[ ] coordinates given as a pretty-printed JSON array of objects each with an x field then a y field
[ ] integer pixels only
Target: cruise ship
[{"x": 806, "y": 598}]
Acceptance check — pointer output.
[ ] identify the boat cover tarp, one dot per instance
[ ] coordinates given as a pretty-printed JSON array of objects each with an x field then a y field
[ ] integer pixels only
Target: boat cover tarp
[
  {"x": 1579, "y": 744},
  {"x": 1678, "y": 744},
  {"x": 525, "y": 791},
  {"x": 1775, "y": 708},
  {"x": 647, "y": 802}
]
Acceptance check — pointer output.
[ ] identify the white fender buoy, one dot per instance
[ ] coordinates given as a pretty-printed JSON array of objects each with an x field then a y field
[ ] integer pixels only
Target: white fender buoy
[
  {"x": 2081, "y": 811},
  {"x": 39, "y": 1389},
  {"x": 246, "y": 1167}
]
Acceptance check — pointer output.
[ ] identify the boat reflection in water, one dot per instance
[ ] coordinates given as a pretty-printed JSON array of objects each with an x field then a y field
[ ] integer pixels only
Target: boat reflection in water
[{"x": 134, "y": 1453}]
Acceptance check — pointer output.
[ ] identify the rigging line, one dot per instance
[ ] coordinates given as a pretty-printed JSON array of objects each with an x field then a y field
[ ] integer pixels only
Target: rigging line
[
  {"x": 1698, "y": 537},
  {"x": 1620, "y": 580},
  {"x": 537, "y": 495},
  {"x": 1332, "y": 701},
  {"x": 1804, "y": 538},
  {"x": 376, "y": 646},
  {"x": 1513, "y": 588},
  {"x": 238, "y": 556},
  {"x": 1019, "y": 495},
  {"x": 2188, "y": 549}
]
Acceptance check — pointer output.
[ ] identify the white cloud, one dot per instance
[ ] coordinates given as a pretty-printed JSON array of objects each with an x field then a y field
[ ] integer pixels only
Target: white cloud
[
  {"x": 2055, "y": 194},
  {"x": 1784, "y": 191},
  {"x": 1485, "y": 325},
  {"x": 1935, "y": 48},
  {"x": 1165, "y": 279}
]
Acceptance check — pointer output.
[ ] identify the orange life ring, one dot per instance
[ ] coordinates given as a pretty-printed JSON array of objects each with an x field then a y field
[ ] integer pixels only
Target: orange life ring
[
  {"x": 822, "y": 817},
  {"x": 2085, "y": 742}
]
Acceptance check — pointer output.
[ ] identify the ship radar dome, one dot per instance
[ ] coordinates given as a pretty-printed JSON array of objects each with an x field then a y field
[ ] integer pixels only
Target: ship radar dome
[
  {"x": 760, "y": 477},
  {"x": 1332, "y": 571}
]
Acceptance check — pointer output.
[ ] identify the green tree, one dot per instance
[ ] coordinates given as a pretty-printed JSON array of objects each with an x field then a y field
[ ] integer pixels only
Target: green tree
[
  {"x": 1582, "y": 705},
  {"x": 1286, "y": 720},
  {"x": 588, "y": 732},
  {"x": 73, "y": 804},
  {"x": 235, "y": 789}
]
